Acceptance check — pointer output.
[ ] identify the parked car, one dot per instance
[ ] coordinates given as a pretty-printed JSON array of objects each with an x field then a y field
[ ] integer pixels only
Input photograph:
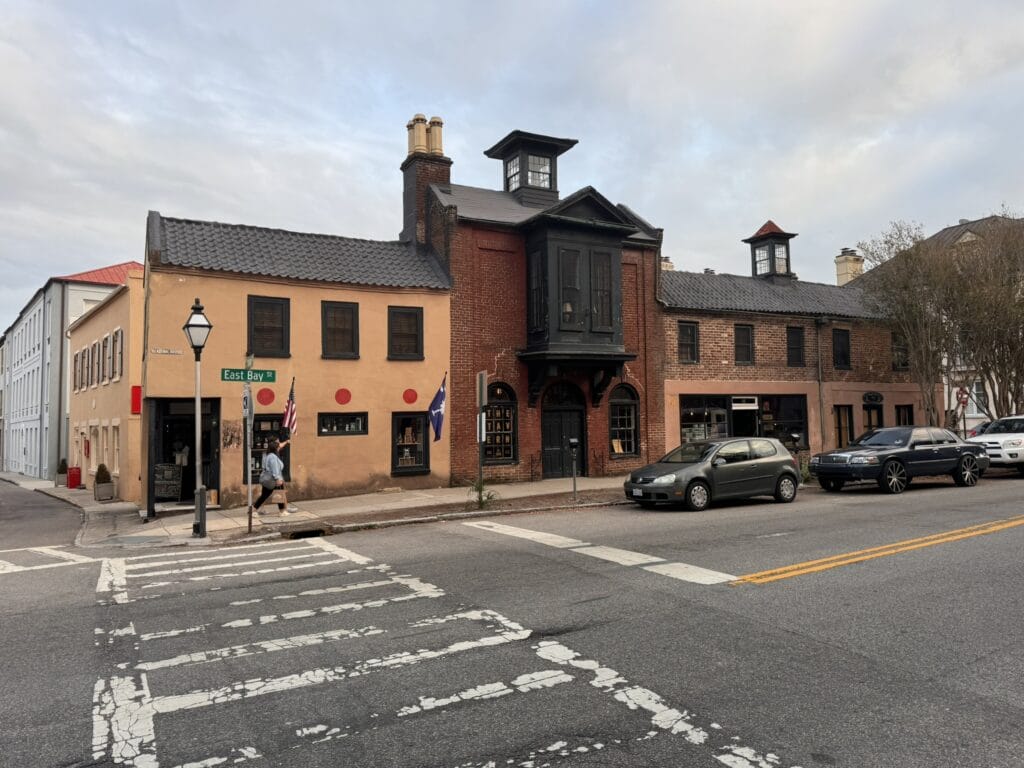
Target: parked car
[
  {"x": 979, "y": 429},
  {"x": 893, "y": 456},
  {"x": 732, "y": 468},
  {"x": 1004, "y": 442}
]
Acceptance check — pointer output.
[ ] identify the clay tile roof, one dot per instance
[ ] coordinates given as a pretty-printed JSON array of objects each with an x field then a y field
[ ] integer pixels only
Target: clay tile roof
[
  {"x": 769, "y": 228},
  {"x": 115, "y": 274}
]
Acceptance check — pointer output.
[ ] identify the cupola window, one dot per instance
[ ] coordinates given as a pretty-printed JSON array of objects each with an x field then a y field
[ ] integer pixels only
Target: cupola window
[
  {"x": 761, "y": 260},
  {"x": 781, "y": 259},
  {"x": 512, "y": 174},
  {"x": 540, "y": 171}
]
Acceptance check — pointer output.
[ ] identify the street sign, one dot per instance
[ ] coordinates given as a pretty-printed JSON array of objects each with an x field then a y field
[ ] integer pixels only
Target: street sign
[{"x": 254, "y": 375}]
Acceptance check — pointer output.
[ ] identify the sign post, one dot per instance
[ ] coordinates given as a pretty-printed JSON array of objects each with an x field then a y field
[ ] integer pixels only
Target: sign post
[
  {"x": 481, "y": 432},
  {"x": 247, "y": 416},
  {"x": 962, "y": 396}
]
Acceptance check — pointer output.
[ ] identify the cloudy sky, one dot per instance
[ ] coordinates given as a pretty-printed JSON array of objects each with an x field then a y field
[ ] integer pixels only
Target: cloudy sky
[{"x": 707, "y": 118}]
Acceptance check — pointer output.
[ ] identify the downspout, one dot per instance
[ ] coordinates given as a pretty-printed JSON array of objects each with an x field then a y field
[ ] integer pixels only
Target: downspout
[
  {"x": 61, "y": 381},
  {"x": 43, "y": 443},
  {"x": 818, "y": 322}
]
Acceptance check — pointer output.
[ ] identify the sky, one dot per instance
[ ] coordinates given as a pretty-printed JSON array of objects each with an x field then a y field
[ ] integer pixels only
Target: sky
[{"x": 832, "y": 119}]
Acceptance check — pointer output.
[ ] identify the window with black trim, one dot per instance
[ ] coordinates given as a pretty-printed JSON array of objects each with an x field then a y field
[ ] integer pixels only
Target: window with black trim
[
  {"x": 342, "y": 424},
  {"x": 624, "y": 421},
  {"x": 601, "y": 291},
  {"x": 900, "y": 353},
  {"x": 500, "y": 419},
  {"x": 762, "y": 260},
  {"x": 76, "y": 369},
  {"x": 105, "y": 359},
  {"x": 689, "y": 342},
  {"x": 904, "y": 415},
  {"x": 269, "y": 326},
  {"x": 539, "y": 172},
  {"x": 569, "y": 269},
  {"x": 795, "y": 347},
  {"x": 405, "y": 333},
  {"x": 538, "y": 315},
  {"x": 743, "y": 336},
  {"x": 339, "y": 329},
  {"x": 411, "y": 454},
  {"x": 841, "y": 348},
  {"x": 94, "y": 375},
  {"x": 512, "y": 174}
]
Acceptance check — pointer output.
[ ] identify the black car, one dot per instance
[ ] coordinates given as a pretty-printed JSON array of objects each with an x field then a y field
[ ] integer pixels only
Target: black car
[
  {"x": 892, "y": 456},
  {"x": 697, "y": 473}
]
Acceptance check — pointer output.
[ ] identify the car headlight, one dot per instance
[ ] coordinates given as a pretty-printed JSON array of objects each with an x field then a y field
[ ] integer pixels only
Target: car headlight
[
  {"x": 1016, "y": 443},
  {"x": 664, "y": 480},
  {"x": 815, "y": 460},
  {"x": 864, "y": 460}
]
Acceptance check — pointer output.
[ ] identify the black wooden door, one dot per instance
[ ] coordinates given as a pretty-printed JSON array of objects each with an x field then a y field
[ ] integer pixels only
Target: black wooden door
[{"x": 557, "y": 426}]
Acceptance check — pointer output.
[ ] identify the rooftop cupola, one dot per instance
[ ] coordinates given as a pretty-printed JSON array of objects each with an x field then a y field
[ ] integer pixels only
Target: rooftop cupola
[
  {"x": 530, "y": 166},
  {"x": 769, "y": 251}
]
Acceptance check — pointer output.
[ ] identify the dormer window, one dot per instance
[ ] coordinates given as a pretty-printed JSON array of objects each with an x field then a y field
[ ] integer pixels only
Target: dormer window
[
  {"x": 762, "y": 261},
  {"x": 512, "y": 174},
  {"x": 540, "y": 172}
]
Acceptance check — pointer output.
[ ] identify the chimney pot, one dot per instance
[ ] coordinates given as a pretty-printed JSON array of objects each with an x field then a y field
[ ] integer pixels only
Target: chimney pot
[
  {"x": 434, "y": 143},
  {"x": 965, "y": 221},
  {"x": 708, "y": 271},
  {"x": 419, "y": 133}
]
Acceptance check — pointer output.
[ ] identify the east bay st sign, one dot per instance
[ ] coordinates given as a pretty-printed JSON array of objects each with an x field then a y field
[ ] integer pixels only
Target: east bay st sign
[{"x": 253, "y": 375}]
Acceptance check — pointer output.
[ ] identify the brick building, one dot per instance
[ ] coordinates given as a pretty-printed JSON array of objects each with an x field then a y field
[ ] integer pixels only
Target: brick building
[
  {"x": 555, "y": 299},
  {"x": 774, "y": 356}
]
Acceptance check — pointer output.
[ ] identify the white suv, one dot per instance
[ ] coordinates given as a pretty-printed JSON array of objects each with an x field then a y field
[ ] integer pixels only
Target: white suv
[{"x": 1004, "y": 442}]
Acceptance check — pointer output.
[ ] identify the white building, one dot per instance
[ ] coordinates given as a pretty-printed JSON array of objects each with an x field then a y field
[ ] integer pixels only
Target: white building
[{"x": 35, "y": 369}]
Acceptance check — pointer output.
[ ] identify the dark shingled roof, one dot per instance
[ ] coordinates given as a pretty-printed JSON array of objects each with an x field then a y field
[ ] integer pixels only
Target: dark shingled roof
[
  {"x": 950, "y": 236},
  {"x": 294, "y": 255},
  {"x": 737, "y": 293}
]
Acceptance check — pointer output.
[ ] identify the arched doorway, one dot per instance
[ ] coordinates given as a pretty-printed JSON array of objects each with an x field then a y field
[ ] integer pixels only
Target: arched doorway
[{"x": 562, "y": 418}]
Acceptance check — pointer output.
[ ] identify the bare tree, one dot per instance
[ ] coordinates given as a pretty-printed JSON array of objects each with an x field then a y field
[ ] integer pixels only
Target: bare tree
[{"x": 907, "y": 287}]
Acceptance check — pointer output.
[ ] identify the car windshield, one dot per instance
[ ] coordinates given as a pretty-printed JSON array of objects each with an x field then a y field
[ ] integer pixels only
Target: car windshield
[
  {"x": 1006, "y": 426},
  {"x": 882, "y": 437},
  {"x": 688, "y": 453}
]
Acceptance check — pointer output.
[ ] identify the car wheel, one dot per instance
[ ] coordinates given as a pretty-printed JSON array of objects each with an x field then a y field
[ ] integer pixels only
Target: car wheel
[
  {"x": 698, "y": 496},
  {"x": 893, "y": 478},
  {"x": 785, "y": 489},
  {"x": 967, "y": 472},
  {"x": 831, "y": 484}
]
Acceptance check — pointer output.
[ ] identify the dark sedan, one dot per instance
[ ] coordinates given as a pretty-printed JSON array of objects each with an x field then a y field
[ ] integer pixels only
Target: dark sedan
[
  {"x": 893, "y": 456},
  {"x": 699, "y": 473}
]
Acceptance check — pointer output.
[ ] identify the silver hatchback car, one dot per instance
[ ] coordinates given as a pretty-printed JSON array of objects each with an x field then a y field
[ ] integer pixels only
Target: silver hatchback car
[{"x": 732, "y": 468}]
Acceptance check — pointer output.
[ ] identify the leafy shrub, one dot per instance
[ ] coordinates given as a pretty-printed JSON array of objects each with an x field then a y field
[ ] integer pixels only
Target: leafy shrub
[
  {"x": 102, "y": 474},
  {"x": 62, "y": 468}
]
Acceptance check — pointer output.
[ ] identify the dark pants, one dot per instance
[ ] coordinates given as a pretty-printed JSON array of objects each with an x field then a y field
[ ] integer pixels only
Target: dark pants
[{"x": 264, "y": 495}]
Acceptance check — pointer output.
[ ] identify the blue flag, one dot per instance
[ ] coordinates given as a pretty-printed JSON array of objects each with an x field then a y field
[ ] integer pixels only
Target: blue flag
[{"x": 437, "y": 409}]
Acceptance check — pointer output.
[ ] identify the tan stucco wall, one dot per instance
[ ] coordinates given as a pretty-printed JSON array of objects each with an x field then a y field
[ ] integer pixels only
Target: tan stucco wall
[
  {"x": 106, "y": 406},
  {"x": 320, "y": 466}
]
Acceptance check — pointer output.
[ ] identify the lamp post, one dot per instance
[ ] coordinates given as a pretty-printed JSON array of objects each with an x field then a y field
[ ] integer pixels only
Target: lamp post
[{"x": 197, "y": 328}]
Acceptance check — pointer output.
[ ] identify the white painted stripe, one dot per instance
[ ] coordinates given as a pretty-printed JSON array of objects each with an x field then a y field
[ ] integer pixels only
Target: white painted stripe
[
  {"x": 235, "y": 574},
  {"x": 112, "y": 579},
  {"x": 551, "y": 539},
  {"x": 218, "y": 566},
  {"x": 344, "y": 554},
  {"x": 321, "y": 591},
  {"x": 132, "y": 566},
  {"x": 692, "y": 573},
  {"x": 620, "y": 556},
  {"x": 533, "y": 681},
  {"x": 6, "y": 567},
  {"x": 257, "y": 648},
  {"x": 238, "y": 548},
  {"x": 505, "y": 632},
  {"x": 237, "y": 756},
  {"x": 62, "y": 555}
]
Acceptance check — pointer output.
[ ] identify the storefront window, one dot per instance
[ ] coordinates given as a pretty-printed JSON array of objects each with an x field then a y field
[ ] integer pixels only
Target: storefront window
[
  {"x": 703, "y": 418},
  {"x": 784, "y": 417}
]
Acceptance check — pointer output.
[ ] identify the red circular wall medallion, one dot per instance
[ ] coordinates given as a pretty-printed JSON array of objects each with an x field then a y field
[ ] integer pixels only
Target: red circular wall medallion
[
  {"x": 410, "y": 396},
  {"x": 265, "y": 396},
  {"x": 343, "y": 396}
]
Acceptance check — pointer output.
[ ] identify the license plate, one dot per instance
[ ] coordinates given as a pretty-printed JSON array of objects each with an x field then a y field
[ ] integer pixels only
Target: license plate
[{"x": 637, "y": 492}]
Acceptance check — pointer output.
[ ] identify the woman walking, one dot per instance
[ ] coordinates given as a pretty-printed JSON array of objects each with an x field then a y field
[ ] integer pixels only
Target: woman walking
[{"x": 272, "y": 477}]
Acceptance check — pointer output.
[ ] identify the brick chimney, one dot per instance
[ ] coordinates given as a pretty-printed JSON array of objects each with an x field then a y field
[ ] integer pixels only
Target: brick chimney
[
  {"x": 424, "y": 165},
  {"x": 849, "y": 264}
]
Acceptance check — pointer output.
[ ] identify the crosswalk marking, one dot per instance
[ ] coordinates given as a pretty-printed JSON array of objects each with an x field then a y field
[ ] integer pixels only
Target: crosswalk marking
[
  {"x": 127, "y": 709},
  {"x": 63, "y": 558},
  {"x": 682, "y": 571}
]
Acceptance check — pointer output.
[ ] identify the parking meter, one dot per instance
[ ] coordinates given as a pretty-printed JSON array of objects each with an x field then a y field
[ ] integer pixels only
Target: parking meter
[{"x": 574, "y": 445}]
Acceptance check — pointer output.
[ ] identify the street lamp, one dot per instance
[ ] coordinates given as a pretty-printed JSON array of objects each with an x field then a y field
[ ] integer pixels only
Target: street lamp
[{"x": 197, "y": 329}]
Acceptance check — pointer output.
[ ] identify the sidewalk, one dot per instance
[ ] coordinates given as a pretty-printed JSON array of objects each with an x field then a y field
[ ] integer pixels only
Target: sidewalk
[{"x": 119, "y": 524}]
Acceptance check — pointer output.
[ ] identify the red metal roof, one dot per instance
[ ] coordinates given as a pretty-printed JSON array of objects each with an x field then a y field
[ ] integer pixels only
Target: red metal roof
[
  {"x": 768, "y": 228},
  {"x": 115, "y": 274}
]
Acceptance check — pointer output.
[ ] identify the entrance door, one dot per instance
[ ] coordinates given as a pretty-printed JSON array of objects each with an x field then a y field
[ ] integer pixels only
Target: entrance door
[
  {"x": 561, "y": 420},
  {"x": 172, "y": 450}
]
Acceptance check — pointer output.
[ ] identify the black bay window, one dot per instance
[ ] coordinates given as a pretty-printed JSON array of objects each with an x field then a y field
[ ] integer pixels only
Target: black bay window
[
  {"x": 601, "y": 291},
  {"x": 569, "y": 263}
]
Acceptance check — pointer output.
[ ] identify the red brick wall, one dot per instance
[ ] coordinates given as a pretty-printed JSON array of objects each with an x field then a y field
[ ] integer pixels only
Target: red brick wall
[{"x": 488, "y": 300}]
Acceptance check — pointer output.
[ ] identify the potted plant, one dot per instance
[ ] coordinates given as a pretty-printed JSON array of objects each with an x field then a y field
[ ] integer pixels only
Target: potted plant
[
  {"x": 103, "y": 484},
  {"x": 62, "y": 472}
]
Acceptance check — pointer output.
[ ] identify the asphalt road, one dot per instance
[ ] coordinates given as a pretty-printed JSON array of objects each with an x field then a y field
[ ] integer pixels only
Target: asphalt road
[{"x": 852, "y": 629}]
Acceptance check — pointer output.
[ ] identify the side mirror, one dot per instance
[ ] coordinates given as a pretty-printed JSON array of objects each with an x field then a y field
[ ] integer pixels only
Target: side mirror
[{"x": 719, "y": 462}]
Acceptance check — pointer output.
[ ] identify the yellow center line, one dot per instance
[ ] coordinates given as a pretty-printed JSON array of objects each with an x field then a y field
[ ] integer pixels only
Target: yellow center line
[{"x": 860, "y": 556}]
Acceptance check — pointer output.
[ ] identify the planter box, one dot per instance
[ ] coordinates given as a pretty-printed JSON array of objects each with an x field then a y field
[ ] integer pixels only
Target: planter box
[
  {"x": 61, "y": 480},
  {"x": 103, "y": 491}
]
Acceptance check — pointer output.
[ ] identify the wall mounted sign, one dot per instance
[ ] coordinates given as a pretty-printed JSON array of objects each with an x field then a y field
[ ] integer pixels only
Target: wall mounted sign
[{"x": 873, "y": 398}]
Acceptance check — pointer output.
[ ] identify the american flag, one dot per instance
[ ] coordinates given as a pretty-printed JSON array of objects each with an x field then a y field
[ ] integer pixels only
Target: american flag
[{"x": 291, "y": 417}]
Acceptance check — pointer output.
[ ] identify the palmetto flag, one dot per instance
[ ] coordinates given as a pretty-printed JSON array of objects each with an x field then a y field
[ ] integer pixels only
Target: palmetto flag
[
  {"x": 291, "y": 417},
  {"x": 437, "y": 409}
]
